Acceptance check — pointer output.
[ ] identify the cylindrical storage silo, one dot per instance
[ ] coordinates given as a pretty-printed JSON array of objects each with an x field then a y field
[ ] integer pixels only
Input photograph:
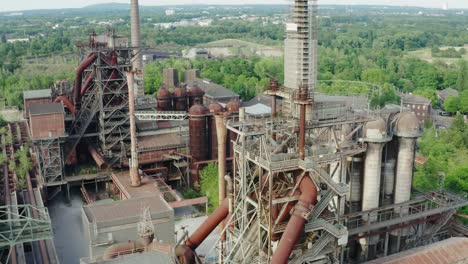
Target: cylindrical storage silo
[
  {"x": 197, "y": 132},
  {"x": 195, "y": 93},
  {"x": 164, "y": 98},
  {"x": 180, "y": 98},
  {"x": 214, "y": 109},
  {"x": 389, "y": 180},
  {"x": 355, "y": 179},
  {"x": 407, "y": 130},
  {"x": 375, "y": 134}
]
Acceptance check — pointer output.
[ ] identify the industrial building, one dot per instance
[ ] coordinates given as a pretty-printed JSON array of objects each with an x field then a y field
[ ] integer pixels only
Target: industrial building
[{"x": 318, "y": 179}]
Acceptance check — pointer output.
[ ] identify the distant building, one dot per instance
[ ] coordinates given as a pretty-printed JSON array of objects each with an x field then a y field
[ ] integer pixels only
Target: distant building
[
  {"x": 36, "y": 97},
  {"x": 213, "y": 92},
  {"x": 153, "y": 55},
  {"x": 443, "y": 94},
  {"x": 18, "y": 40},
  {"x": 419, "y": 105},
  {"x": 170, "y": 12},
  {"x": 46, "y": 120}
]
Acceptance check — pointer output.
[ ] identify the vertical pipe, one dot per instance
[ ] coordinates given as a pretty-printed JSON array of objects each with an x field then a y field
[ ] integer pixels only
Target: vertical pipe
[
  {"x": 242, "y": 114},
  {"x": 303, "y": 94},
  {"x": 135, "y": 178},
  {"x": 221, "y": 132},
  {"x": 136, "y": 43}
]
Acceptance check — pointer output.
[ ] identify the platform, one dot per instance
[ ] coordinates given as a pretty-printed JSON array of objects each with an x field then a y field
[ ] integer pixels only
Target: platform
[{"x": 148, "y": 186}]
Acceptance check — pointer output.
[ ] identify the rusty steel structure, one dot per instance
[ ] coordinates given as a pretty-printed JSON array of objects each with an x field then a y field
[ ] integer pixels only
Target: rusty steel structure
[{"x": 306, "y": 187}]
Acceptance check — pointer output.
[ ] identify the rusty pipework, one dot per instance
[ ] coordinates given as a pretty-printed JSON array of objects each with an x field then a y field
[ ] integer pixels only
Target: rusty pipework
[
  {"x": 299, "y": 216},
  {"x": 97, "y": 157},
  {"x": 135, "y": 177},
  {"x": 64, "y": 100},
  {"x": 78, "y": 79},
  {"x": 208, "y": 226}
]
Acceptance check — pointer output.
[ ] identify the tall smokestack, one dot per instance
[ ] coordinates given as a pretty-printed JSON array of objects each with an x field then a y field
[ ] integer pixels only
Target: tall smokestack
[
  {"x": 136, "y": 43},
  {"x": 135, "y": 178}
]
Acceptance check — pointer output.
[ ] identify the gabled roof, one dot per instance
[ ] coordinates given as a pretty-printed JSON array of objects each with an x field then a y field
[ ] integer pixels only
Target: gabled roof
[
  {"x": 36, "y": 94},
  {"x": 213, "y": 90},
  {"x": 416, "y": 99},
  {"x": 44, "y": 109},
  {"x": 446, "y": 92}
]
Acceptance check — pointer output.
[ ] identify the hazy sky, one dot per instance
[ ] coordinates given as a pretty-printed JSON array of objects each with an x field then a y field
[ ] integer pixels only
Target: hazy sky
[{"x": 8, "y": 5}]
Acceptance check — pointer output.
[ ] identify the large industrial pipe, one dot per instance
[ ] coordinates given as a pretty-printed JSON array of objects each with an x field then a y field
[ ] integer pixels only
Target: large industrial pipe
[
  {"x": 78, "y": 79},
  {"x": 298, "y": 219},
  {"x": 208, "y": 226},
  {"x": 135, "y": 177},
  {"x": 97, "y": 157},
  {"x": 87, "y": 84},
  {"x": 66, "y": 102}
]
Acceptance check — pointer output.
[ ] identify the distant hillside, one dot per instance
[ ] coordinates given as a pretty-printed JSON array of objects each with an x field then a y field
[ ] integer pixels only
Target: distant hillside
[{"x": 108, "y": 6}]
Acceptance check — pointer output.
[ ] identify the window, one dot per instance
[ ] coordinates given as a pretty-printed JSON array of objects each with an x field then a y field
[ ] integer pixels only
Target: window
[
  {"x": 414, "y": 106},
  {"x": 423, "y": 114},
  {"x": 419, "y": 107},
  {"x": 424, "y": 107}
]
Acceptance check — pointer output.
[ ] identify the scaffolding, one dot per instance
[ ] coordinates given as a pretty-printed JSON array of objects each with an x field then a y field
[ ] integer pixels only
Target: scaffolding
[{"x": 49, "y": 154}]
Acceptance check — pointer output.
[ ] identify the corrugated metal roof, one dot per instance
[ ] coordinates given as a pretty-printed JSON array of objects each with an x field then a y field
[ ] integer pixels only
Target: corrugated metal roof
[
  {"x": 43, "y": 109},
  {"x": 125, "y": 209},
  {"x": 213, "y": 90},
  {"x": 34, "y": 94},
  {"x": 258, "y": 110},
  {"x": 452, "y": 250}
]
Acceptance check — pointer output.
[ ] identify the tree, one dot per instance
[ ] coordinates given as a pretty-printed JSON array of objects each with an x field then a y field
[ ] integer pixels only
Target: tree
[
  {"x": 452, "y": 104},
  {"x": 209, "y": 185},
  {"x": 462, "y": 81}
]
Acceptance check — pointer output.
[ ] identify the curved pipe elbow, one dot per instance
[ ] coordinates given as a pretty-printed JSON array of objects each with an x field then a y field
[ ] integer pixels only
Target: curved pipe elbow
[
  {"x": 66, "y": 102},
  {"x": 78, "y": 78},
  {"x": 297, "y": 221},
  {"x": 185, "y": 254}
]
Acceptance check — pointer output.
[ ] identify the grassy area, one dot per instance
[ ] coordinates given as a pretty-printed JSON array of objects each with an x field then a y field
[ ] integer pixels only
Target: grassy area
[{"x": 426, "y": 54}]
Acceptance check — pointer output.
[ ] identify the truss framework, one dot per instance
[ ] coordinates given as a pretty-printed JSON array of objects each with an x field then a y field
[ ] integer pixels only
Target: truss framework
[{"x": 49, "y": 154}]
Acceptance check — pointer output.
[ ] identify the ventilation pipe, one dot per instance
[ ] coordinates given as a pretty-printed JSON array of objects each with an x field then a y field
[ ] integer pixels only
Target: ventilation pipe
[
  {"x": 375, "y": 133},
  {"x": 134, "y": 176}
]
